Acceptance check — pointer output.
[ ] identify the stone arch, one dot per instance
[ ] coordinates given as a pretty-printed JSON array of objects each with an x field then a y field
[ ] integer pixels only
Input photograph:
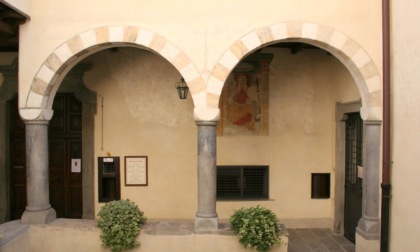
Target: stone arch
[
  {"x": 352, "y": 55},
  {"x": 38, "y": 101}
]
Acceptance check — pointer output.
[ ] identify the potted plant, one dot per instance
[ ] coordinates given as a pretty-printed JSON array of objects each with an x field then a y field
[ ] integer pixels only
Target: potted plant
[
  {"x": 257, "y": 227},
  {"x": 120, "y": 223}
]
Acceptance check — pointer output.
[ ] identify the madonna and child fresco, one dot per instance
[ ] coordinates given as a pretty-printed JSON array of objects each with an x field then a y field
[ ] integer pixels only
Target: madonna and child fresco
[{"x": 244, "y": 102}]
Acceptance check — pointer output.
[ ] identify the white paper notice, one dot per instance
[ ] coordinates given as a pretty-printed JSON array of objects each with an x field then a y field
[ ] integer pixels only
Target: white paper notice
[
  {"x": 360, "y": 172},
  {"x": 76, "y": 165}
]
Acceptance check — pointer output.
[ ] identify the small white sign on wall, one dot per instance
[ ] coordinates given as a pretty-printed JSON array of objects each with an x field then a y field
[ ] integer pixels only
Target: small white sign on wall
[
  {"x": 360, "y": 172},
  {"x": 76, "y": 165}
]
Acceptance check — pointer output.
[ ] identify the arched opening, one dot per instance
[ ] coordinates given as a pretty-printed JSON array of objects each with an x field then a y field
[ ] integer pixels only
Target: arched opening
[
  {"x": 134, "y": 99},
  {"x": 38, "y": 101},
  {"x": 353, "y": 77}
]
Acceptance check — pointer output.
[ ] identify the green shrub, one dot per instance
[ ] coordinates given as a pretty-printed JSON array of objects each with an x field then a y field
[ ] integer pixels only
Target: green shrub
[
  {"x": 120, "y": 223},
  {"x": 256, "y": 227}
]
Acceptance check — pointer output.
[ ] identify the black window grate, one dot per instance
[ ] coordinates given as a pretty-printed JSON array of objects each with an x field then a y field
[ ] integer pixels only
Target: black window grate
[
  {"x": 242, "y": 182},
  {"x": 109, "y": 168}
]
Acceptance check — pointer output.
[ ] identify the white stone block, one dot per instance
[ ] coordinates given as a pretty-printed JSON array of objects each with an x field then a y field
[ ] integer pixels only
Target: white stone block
[
  {"x": 360, "y": 58},
  {"x": 309, "y": 30},
  {"x": 279, "y": 31},
  {"x": 45, "y": 74},
  {"x": 251, "y": 41},
  {"x": 34, "y": 100},
  {"x": 144, "y": 37},
  {"x": 169, "y": 51},
  {"x": 116, "y": 34},
  {"x": 63, "y": 52},
  {"x": 189, "y": 73},
  {"x": 214, "y": 86},
  {"x": 338, "y": 40},
  {"x": 88, "y": 38},
  {"x": 200, "y": 100},
  {"x": 229, "y": 60},
  {"x": 374, "y": 84}
]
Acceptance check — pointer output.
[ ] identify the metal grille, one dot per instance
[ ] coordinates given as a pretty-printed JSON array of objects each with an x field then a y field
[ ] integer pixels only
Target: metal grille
[
  {"x": 353, "y": 181},
  {"x": 354, "y": 140},
  {"x": 109, "y": 168},
  {"x": 242, "y": 182}
]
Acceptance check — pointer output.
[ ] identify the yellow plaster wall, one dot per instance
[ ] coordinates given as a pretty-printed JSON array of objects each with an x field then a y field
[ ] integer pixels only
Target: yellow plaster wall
[
  {"x": 143, "y": 116},
  {"x": 204, "y": 30},
  {"x": 405, "y": 121}
]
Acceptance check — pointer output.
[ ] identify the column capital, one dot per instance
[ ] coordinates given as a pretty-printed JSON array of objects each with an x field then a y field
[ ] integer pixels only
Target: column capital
[
  {"x": 36, "y": 114},
  {"x": 206, "y": 114},
  {"x": 371, "y": 113}
]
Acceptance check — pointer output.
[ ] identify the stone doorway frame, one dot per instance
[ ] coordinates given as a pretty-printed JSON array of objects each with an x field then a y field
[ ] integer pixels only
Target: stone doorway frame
[{"x": 341, "y": 111}]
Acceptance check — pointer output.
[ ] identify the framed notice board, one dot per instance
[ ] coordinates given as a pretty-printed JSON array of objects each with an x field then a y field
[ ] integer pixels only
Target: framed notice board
[{"x": 136, "y": 170}]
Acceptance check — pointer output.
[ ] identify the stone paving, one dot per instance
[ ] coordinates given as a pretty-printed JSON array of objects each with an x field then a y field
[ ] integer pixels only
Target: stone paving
[
  {"x": 318, "y": 239},
  {"x": 300, "y": 239}
]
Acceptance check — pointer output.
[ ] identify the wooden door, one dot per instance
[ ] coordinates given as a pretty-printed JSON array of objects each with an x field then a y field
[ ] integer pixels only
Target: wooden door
[
  {"x": 65, "y": 145},
  {"x": 17, "y": 162},
  {"x": 353, "y": 180}
]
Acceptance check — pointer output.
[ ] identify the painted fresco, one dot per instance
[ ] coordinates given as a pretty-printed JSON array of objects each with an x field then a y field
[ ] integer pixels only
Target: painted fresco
[{"x": 244, "y": 102}]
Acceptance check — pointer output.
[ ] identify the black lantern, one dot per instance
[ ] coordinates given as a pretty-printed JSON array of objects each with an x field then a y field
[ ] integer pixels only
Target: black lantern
[{"x": 182, "y": 88}]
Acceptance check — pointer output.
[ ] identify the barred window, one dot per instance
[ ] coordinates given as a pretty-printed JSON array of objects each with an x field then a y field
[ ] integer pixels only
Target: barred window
[{"x": 242, "y": 182}]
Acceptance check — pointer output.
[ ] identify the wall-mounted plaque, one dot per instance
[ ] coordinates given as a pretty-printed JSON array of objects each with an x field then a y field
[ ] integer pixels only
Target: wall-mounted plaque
[{"x": 136, "y": 171}]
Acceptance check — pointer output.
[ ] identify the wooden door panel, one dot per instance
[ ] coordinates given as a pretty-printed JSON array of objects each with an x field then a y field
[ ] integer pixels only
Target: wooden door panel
[
  {"x": 75, "y": 202},
  {"x": 58, "y": 121},
  {"x": 18, "y": 202},
  {"x": 65, "y": 143},
  {"x": 57, "y": 172},
  {"x": 75, "y": 181},
  {"x": 17, "y": 178},
  {"x": 57, "y": 154},
  {"x": 57, "y": 201}
]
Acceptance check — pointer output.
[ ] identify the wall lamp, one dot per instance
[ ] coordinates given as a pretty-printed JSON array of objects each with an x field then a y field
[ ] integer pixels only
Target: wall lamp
[{"x": 182, "y": 88}]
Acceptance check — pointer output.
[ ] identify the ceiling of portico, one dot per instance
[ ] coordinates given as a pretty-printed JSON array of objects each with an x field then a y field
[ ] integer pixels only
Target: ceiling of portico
[{"x": 9, "y": 28}]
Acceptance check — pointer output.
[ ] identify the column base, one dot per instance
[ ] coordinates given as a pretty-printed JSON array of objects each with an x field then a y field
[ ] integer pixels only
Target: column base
[
  {"x": 38, "y": 217},
  {"x": 363, "y": 244},
  {"x": 88, "y": 216},
  {"x": 206, "y": 224},
  {"x": 369, "y": 229}
]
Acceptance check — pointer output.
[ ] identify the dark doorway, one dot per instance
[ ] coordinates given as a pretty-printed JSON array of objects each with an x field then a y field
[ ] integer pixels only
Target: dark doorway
[
  {"x": 65, "y": 149},
  {"x": 17, "y": 161},
  {"x": 353, "y": 180}
]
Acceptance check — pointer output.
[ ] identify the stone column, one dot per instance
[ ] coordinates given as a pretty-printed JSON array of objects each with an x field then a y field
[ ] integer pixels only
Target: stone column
[
  {"x": 38, "y": 209},
  {"x": 369, "y": 225},
  {"x": 206, "y": 217}
]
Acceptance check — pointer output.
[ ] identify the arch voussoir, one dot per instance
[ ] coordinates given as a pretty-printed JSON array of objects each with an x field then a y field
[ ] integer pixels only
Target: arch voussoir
[
  {"x": 350, "y": 53},
  {"x": 70, "y": 52}
]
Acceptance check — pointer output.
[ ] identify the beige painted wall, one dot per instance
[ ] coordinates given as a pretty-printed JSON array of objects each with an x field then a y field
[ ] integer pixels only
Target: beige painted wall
[
  {"x": 204, "y": 30},
  {"x": 143, "y": 116},
  {"x": 405, "y": 206}
]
